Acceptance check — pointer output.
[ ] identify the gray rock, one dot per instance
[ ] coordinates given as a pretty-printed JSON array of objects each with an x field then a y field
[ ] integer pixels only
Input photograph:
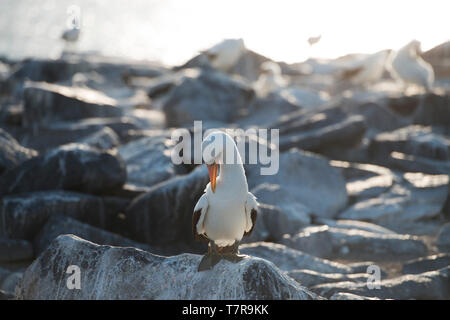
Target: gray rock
[
  {"x": 433, "y": 285},
  {"x": 126, "y": 273},
  {"x": 103, "y": 139},
  {"x": 309, "y": 278},
  {"x": 289, "y": 259},
  {"x": 71, "y": 167},
  {"x": 372, "y": 187},
  {"x": 206, "y": 95},
  {"x": 349, "y": 132},
  {"x": 167, "y": 206},
  {"x": 425, "y": 264},
  {"x": 409, "y": 163},
  {"x": 45, "y": 103},
  {"x": 432, "y": 109},
  {"x": 58, "y": 225},
  {"x": 413, "y": 140},
  {"x": 322, "y": 188},
  {"x": 9, "y": 280},
  {"x": 415, "y": 197},
  {"x": 350, "y": 296},
  {"x": 354, "y": 225},
  {"x": 6, "y": 296},
  {"x": 329, "y": 242},
  {"x": 15, "y": 250},
  {"x": 11, "y": 152},
  {"x": 148, "y": 160},
  {"x": 23, "y": 215},
  {"x": 263, "y": 110},
  {"x": 443, "y": 238}
]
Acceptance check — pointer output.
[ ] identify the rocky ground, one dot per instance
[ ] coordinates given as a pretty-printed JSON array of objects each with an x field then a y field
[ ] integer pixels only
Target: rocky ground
[{"x": 86, "y": 179}]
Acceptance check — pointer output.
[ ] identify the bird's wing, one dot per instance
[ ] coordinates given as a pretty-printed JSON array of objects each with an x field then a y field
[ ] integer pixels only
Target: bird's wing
[
  {"x": 198, "y": 218},
  {"x": 251, "y": 212}
]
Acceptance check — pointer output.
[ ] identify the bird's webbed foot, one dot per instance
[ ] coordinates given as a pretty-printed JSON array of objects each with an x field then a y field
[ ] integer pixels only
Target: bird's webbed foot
[
  {"x": 234, "y": 256},
  {"x": 210, "y": 259}
]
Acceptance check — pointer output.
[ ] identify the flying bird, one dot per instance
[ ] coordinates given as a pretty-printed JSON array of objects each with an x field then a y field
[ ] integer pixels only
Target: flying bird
[
  {"x": 313, "y": 40},
  {"x": 270, "y": 78},
  {"x": 225, "y": 54},
  {"x": 408, "y": 67},
  {"x": 227, "y": 211}
]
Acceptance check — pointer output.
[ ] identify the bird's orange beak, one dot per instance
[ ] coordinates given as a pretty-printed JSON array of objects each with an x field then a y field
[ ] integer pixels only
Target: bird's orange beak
[{"x": 212, "y": 169}]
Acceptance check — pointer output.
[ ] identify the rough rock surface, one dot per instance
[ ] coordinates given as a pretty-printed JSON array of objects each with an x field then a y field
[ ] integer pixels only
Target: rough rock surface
[
  {"x": 45, "y": 103},
  {"x": 15, "y": 250},
  {"x": 443, "y": 238},
  {"x": 58, "y": 225},
  {"x": 425, "y": 264},
  {"x": 289, "y": 259},
  {"x": 322, "y": 189},
  {"x": 127, "y": 273},
  {"x": 167, "y": 206},
  {"x": 11, "y": 152},
  {"x": 205, "y": 95},
  {"x": 148, "y": 160},
  {"x": 433, "y": 285},
  {"x": 23, "y": 215},
  {"x": 72, "y": 167},
  {"x": 324, "y": 241}
]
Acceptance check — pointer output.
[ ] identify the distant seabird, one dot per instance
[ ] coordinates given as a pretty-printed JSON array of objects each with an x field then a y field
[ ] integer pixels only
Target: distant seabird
[
  {"x": 225, "y": 54},
  {"x": 313, "y": 40},
  {"x": 227, "y": 211},
  {"x": 367, "y": 70},
  {"x": 408, "y": 67},
  {"x": 270, "y": 78}
]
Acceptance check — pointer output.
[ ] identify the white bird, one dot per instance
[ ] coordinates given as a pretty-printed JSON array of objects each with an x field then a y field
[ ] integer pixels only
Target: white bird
[
  {"x": 227, "y": 211},
  {"x": 313, "y": 40},
  {"x": 225, "y": 54},
  {"x": 367, "y": 70},
  {"x": 408, "y": 67},
  {"x": 270, "y": 78}
]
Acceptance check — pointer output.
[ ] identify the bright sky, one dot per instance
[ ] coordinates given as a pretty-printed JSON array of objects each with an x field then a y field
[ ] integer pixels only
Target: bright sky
[
  {"x": 280, "y": 28},
  {"x": 175, "y": 30}
]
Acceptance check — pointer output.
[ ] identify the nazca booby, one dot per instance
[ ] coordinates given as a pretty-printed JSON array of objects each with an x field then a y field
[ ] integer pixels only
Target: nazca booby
[
  {"x": 270, "y": 78},
  {"x": 225, "y": 54},
  {"x": 408, "y": 67},
  {"x": 227, "y": 211}
]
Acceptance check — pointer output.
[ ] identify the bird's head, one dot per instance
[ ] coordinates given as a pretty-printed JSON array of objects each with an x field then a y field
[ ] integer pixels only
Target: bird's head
[{"x": 214, "y": 148}]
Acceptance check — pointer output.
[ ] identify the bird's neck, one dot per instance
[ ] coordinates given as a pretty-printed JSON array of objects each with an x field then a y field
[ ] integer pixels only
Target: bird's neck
[{"x": 232, "y": 175}]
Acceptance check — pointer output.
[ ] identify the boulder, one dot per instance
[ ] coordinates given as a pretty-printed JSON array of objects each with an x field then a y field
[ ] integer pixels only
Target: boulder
[
  {"x": 289, "y": 259},
  {"x": 11, "y": 152},
  {"x": 322, "y": 187},
  {"x": 309, "y": 278},
  {"x": 23, "y": 215},
  {"x": 167, "y": 206},
  {"x": 443, "y": 238},
  {"x": 9, "y": 279},
  {"x": 57, "y": 225},
  {"x": 433, "y": 285},
  {"x": 350, "y": 296},
  {"x": 148, "y": 160},
  {"x": 330, "y": 242},
  {"x": 103, "y": 139},
  {"x": 127, "y": 273},
  {"x": 12, "y": 250},
  {"x": 206, "y": 95},
  {"x": 71, "y": 167},
  {"x": 425, "y": 264},
  {"x": 46, "y": 103},
  {"x": 412, "y": 140},
  {"x": 417, "y": 196},
  {"x": 348, "y": 132}
]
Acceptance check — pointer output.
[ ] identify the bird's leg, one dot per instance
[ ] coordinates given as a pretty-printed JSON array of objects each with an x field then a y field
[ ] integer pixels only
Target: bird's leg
[
  {"x": 234, "y": 256},
  {"x": 211, "y": 258}
]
